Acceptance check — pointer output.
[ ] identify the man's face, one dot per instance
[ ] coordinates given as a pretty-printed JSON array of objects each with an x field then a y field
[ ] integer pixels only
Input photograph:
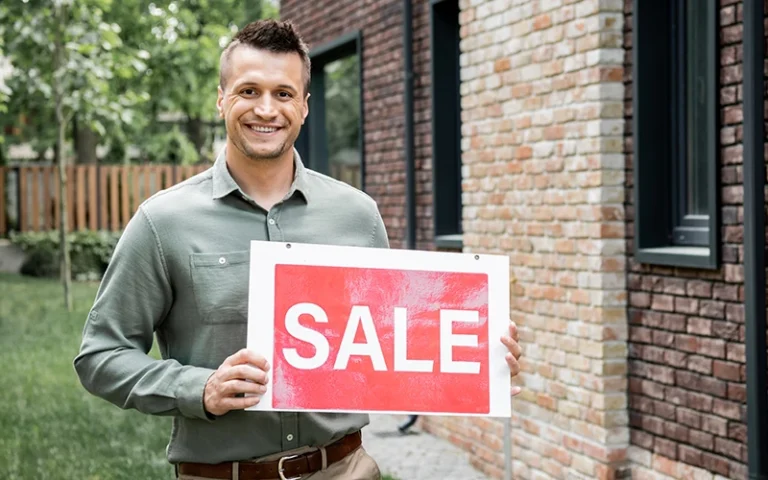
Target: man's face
[{"x": 264, "y": 104}]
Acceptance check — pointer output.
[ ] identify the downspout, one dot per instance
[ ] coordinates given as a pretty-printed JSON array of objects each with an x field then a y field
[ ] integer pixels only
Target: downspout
[
  {"x": 754, "y": 239},
  {"x": 410, "y": 166}
]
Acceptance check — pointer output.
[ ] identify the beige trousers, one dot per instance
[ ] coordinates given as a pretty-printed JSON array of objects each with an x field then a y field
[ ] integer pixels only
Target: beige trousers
[{"x": 358, "y": 465}]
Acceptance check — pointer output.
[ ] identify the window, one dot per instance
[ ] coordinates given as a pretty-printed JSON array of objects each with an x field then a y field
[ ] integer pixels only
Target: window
[
  {"x": 446, "y": 123},
  {"x": 675, "y": 132},
  {"x": 331, "y": 141}
]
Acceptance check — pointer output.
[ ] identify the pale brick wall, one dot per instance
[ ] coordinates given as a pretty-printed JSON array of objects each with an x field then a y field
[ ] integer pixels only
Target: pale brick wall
[{"x": 543, "y": 126}]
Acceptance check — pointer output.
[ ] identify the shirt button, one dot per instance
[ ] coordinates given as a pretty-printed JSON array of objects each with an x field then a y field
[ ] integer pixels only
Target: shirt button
[
  {"x": 271, "y": 221},
  {"x": 222, "y": 260},
  {"x": 289, "y": 437}
]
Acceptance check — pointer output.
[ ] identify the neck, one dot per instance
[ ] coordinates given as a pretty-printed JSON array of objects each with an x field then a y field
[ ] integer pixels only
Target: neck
[{"x": 266, "y": 181}]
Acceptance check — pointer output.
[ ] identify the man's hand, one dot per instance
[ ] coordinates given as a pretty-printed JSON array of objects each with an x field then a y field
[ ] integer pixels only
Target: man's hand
[
  {"x": 243, "y": 372},
  {"x": 514, "y": 352}
]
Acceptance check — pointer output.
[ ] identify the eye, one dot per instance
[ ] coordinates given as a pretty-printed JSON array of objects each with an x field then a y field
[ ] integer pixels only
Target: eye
[
  {"x": 248, "y": 91},
  {"x": 285, "y": 95}
]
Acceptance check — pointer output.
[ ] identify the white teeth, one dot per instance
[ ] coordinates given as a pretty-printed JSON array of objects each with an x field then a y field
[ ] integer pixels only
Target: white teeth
[{"x": 263, "y": 129}]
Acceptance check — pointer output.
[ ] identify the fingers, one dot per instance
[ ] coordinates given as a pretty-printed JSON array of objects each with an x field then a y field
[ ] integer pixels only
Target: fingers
[
  {"x": 244, "y": 372},
  {"x": 239, "y": 403},
  {"x": 238, "y": 383},
  {"x": 513, "y": 331},
  {"x": 514, "y": 365},
  {"x": 221, "y": 396},
  {"x": 247, "y": 356},
  {"x": 237, "y": 387},
  {"x": 515, "y": 351},
  {"x": 513, "y": 347}
]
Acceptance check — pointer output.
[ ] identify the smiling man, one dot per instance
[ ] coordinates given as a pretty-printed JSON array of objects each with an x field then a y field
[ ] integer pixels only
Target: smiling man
[{"x": 180, "y": 273}]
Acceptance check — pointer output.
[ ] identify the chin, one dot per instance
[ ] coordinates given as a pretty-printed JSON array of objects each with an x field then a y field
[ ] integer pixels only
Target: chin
[{"x": 264, "y": 154}]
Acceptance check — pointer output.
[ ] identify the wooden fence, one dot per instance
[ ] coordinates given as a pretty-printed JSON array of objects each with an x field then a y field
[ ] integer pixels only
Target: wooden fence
[{"x": 98, "y": 197}]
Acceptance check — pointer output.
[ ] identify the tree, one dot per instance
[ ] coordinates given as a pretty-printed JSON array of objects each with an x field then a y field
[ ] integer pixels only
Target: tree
[
  {"x": 167, "y": 61},
  {"x": 92, "y": 42},
  {"x": 64, "y": 53},
  {"x": 186, "y": 39}
]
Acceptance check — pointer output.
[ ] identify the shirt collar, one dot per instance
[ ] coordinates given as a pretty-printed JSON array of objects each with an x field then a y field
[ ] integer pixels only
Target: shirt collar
[{"x": 224, "y": 184}]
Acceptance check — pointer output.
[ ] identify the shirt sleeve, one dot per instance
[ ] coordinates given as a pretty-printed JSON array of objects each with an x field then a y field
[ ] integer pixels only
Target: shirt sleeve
[
  {"x": 379, "y": 236},
  {"x": 134, "y": 297}
]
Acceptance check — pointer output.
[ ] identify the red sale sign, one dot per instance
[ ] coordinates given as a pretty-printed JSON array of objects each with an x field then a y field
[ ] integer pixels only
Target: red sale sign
[{"x": 372, "y": 330}]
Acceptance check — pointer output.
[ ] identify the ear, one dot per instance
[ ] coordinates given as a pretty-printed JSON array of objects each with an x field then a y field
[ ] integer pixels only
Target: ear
[
  {"x": 219, "y": 102},
  {"x": 306, "y": 109}
]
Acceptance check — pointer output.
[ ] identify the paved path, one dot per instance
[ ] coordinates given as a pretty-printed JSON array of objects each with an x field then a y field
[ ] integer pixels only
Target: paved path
[{"x": 416, "y": 455}]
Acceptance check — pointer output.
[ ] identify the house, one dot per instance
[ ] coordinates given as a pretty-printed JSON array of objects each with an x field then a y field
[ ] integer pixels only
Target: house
[{"x": 602, "y": 145}]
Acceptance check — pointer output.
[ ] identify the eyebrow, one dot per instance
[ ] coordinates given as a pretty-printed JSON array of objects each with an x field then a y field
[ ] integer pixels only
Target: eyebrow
[{"x": 287, "y": 87}]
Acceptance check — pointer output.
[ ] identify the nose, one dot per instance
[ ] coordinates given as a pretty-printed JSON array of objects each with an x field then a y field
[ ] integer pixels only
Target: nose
[{"x": 265, "y": 107}]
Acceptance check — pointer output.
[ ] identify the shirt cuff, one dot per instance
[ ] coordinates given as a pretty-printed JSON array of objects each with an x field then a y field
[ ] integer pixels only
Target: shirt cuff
[{"x": 190, "y": 392}]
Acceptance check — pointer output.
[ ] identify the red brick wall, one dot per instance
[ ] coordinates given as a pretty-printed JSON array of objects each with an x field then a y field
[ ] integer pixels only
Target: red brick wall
[
  {"x": 321, "y": 21},
  {"x": 687, "y": 354}
]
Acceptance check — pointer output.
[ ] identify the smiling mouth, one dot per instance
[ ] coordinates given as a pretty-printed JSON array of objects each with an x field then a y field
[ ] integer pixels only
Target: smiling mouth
[{"x": 259, "y": 129}]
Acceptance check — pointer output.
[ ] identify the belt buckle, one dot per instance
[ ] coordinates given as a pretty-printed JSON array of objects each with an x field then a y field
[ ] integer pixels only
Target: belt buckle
[{"x": 280, "y": 467}]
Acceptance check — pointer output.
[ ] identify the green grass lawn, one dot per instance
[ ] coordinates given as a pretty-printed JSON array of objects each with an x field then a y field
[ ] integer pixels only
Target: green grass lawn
[{"x": 50, "y": 427}]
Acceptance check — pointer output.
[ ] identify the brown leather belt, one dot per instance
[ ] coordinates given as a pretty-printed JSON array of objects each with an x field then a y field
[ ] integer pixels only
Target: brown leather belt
[{"x": 290, "y": 466}]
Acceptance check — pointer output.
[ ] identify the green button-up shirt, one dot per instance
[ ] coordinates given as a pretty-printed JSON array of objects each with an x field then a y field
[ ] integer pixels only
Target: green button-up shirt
[{"x": 180, "y": 272}]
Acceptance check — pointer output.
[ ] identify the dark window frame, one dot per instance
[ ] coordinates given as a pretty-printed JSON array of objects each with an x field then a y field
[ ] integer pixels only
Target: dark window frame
[
  {"x": 446, "y": 121},
  {"x": 664, "y": 234},
  {"x": 312, "y": 143}
]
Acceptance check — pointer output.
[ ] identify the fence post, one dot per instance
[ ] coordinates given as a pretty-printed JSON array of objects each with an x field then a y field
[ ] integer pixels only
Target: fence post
[
  {"x": 47, "y": 174},
  {"x": 93, "y": 220},
  {"x": 35, "y": 207},
  {"x": 22, "y": 176}
]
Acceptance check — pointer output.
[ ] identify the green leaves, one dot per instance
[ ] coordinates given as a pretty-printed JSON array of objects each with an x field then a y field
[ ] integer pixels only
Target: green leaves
[
  {"x": 184, "y": 57},
  {"x": 125, "y": 63},
  {"x": 93, "y": 56}
]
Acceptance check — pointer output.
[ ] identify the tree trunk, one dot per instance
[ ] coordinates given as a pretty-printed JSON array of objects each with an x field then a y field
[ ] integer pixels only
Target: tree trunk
[
  {"x": 195, "y": 133},
  {"x": 85, "y": 142},
  {"x": 61, "y": 125}
]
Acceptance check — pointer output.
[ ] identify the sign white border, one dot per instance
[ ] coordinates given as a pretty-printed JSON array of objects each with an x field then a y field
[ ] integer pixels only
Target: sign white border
[{"x": 265, "y": 256}]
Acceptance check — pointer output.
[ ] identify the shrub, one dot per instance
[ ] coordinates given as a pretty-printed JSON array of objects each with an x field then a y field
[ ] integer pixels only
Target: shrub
[
  {"x": 90, "y": 252},
  {"x": 171, "y": 147}
]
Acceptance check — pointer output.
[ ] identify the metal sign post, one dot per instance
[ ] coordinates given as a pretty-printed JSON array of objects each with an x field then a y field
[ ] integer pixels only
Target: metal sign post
[{"x": 508, "y": 448}]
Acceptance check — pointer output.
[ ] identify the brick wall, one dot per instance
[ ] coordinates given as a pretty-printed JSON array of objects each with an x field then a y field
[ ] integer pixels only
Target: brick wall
[
  {"x": 321, "y": 21},
  {"x": 616, "y": 354},
  {"x": 687, "y": 354},
  {"x": 542, "y": 99}
]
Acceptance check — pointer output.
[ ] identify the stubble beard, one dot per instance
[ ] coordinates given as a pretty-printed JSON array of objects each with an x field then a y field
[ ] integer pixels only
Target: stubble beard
[
  {"x": 245, "y": 148},
  {"x": 251, "y": 154}
]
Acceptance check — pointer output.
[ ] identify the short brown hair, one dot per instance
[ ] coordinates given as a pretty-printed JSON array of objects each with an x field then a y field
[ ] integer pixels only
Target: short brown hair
[{"x": 271, "y": 35}]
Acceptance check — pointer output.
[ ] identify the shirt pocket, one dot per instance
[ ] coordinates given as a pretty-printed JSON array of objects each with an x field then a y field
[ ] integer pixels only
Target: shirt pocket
[{"x": 220, "y": 285}]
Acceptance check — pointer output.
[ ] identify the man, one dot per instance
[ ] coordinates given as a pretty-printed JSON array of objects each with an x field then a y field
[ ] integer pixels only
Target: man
[{"x": 180, "y": 271}]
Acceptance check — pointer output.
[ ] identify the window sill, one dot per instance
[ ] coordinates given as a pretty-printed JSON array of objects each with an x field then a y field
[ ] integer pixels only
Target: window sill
[
  {"x": 449, "y": 241},
  {"x": 674, "y": 256}
]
